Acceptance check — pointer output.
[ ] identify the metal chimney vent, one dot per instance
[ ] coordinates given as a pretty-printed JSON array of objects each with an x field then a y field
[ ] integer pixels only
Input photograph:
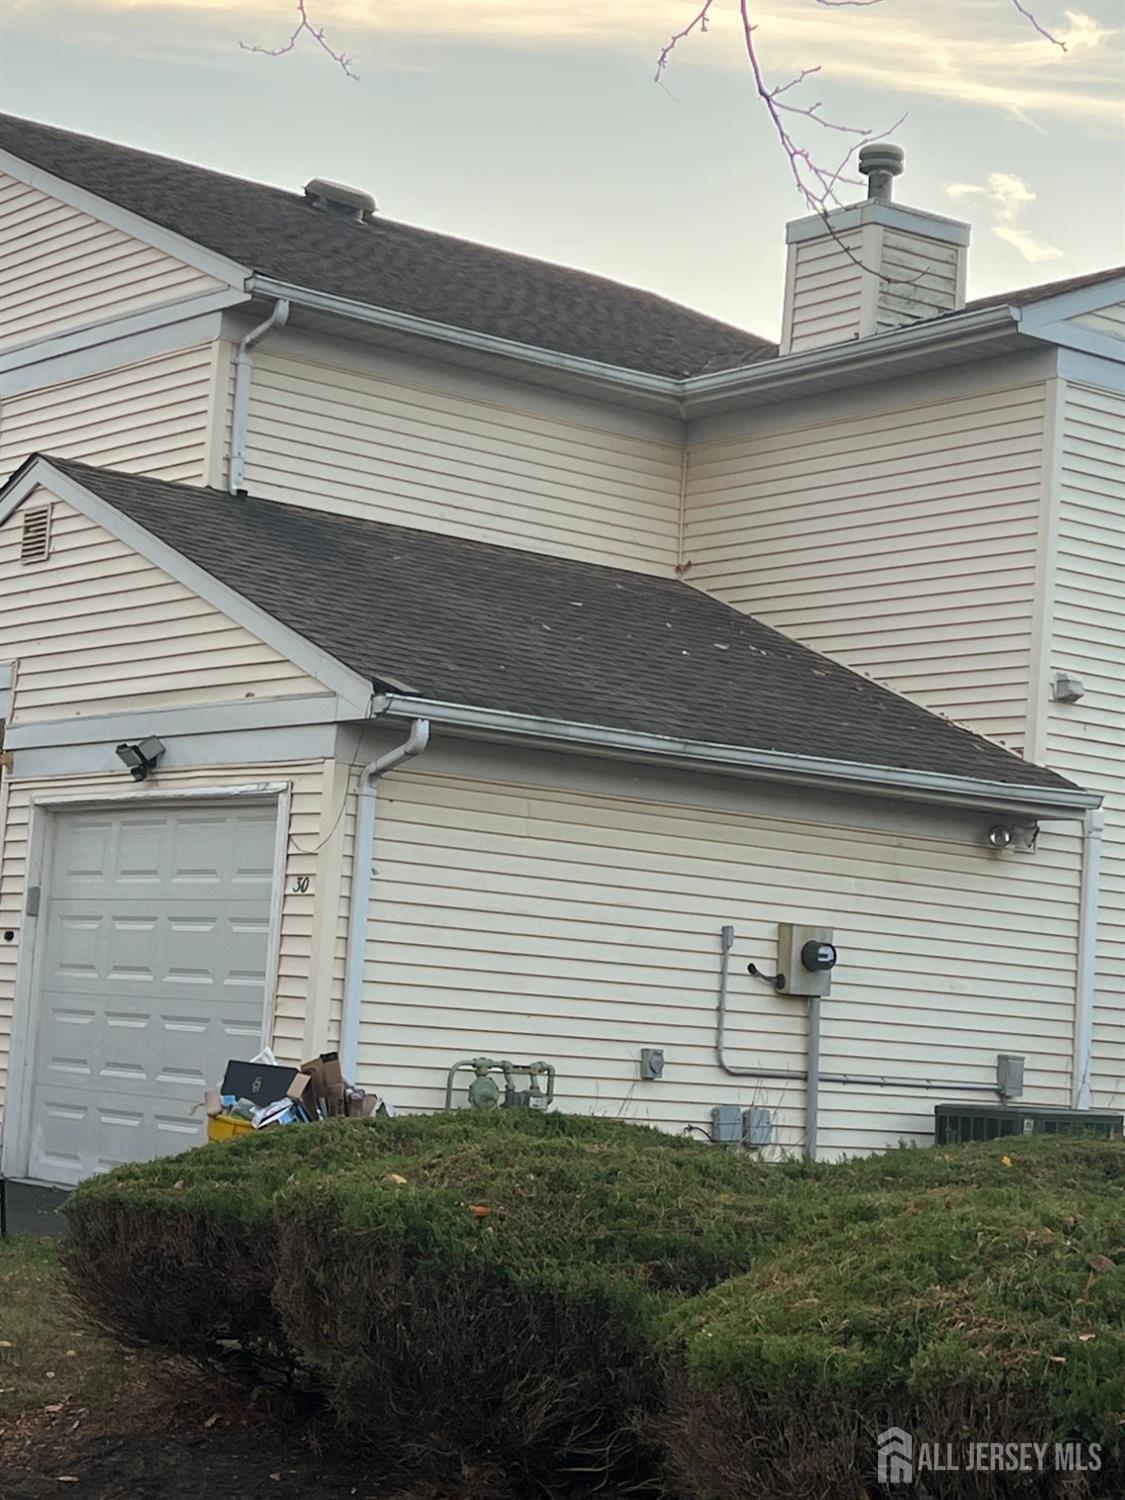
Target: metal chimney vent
[
  {"x": 880, "y": 164},
  {"x": 336, "y": 198},
  {"x": 35, "y": 544}
]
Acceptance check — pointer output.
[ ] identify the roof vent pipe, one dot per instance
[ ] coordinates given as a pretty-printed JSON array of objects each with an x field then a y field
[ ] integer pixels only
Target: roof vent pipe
[{"x": 880, "y": 164}]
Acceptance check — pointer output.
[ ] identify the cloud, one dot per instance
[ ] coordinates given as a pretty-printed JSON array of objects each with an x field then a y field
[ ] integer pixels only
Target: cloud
[
  {"x": 1008, "y": 196},
  {"x": 975, "y": 52}
]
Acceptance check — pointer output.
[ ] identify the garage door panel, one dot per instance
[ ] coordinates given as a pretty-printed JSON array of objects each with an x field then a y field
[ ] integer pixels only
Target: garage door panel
[
  {"x": 153, "y": 974},
  {"x": 226, "y": 853}
]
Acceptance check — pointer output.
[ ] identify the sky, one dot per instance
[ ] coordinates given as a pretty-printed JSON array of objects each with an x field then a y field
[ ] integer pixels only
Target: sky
[{"x": 536, "y": 124}]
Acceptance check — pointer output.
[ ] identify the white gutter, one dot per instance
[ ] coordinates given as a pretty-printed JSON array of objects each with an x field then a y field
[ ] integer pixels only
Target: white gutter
[
  {"x": 464, "y": 338},
  {"x": 837, "y": 360},
  {"x": 362, "y": 870},
  {"x": 242, "y": 374},
  {"x": 919, "y": 786},
  {"x": 1093, "y": 826}
]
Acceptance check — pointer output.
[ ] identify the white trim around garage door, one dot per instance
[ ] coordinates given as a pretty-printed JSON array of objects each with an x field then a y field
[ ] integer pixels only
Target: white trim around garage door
[{"x": 14, "y": 1142}]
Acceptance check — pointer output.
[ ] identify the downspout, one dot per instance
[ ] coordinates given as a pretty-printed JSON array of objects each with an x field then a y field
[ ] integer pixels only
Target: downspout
[
  {"x": 362, "y": 871},
  {"x": 1093, "y": 827},
  {"x": 242, "y": 371}
]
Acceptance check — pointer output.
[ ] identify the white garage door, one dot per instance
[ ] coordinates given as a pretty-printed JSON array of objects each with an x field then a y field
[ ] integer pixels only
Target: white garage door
[{"x": 154, "y": 949}]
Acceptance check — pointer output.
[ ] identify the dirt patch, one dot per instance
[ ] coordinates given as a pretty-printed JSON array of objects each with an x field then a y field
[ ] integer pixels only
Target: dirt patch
[{"x": 154, "y": 1454}]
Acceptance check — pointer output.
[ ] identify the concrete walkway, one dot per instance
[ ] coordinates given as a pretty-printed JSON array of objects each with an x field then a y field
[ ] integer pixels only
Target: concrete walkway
[{"x": 34, "y": 1210}]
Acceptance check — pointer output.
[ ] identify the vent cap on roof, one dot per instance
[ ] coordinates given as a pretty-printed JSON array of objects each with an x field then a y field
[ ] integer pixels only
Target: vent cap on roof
[{"x": 350, "y": 202}]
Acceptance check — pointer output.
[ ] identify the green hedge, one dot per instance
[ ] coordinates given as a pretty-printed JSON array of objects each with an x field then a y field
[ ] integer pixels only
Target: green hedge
[
  {"x": 966, "y": 1295},
  {"x": 499, "y": 1306},
  {"x": 564, "y": 1298}
]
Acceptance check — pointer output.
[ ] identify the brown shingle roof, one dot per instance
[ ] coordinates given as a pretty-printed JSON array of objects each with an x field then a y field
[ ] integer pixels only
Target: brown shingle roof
[
  {"x": 469, "y": 622},
  {"x": 391, "y": 265}
]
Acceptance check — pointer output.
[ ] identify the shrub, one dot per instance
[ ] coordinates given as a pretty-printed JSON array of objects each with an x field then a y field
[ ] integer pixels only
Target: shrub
[
  {"x": 555, "y": 1296},
  {"x": 497, "y": 1306},
  {"x": 978, "y": 1302}
]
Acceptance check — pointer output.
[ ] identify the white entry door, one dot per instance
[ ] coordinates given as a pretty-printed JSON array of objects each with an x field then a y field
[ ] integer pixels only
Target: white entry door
[{"x": 154, "y": 947}]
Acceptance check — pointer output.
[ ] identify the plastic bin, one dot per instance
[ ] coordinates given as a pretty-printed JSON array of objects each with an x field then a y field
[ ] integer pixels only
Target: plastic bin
[{"x": 226, "y": 1127}]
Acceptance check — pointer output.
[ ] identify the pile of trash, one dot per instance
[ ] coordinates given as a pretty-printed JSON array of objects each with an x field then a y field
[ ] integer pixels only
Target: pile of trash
[{"x": 263, "y": 1092}]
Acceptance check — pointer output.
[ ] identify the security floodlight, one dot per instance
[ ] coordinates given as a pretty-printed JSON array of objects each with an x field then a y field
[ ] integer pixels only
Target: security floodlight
[{"x": 139, "y": 759}]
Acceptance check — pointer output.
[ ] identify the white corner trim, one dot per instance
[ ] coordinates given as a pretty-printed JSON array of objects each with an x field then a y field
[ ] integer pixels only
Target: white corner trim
[
  {"x": 1046, "y": 570},
  {"x": 221, "y": 267},
  {"x": 317, "y": 663}
]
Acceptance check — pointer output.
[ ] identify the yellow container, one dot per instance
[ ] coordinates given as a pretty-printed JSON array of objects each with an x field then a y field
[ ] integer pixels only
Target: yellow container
[{"x": 225, "y": 1127}]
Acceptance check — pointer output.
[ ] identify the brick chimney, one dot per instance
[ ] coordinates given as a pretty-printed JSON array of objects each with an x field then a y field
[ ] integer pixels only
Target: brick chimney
[{"x": 871, "y": 266}]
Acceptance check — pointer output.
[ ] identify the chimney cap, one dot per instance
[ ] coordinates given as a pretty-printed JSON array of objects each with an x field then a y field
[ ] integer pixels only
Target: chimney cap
[
  {"x": 880, "y": 163},
  {"x": 336, "y": 196}
]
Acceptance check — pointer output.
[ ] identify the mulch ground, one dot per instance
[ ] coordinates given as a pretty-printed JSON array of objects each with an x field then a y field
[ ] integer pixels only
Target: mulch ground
[{"x": 161, "y": 1443}]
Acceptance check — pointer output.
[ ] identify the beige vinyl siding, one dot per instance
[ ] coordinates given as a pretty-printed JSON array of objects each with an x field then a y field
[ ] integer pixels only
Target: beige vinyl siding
[
  {"x": 1109, "y": 320},
  {"x": 826, "y": 292},
  {"x": 522, "y": 922},
  {"x": 367, "y": 446},
  {"x": 918, "y": 279},
  {"x": 60, "y": 268},
  {"x": 1086, "y": 740},
  {"x": 296, "y": 916},
  {"x": 96, "y": 628},
  {"x": 901, "y": 541},
  {"x": 148, "y": 418}
]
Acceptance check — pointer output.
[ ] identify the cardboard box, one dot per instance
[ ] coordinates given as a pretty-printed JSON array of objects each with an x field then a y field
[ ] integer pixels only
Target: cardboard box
[{"x": 327, "y": 1081}]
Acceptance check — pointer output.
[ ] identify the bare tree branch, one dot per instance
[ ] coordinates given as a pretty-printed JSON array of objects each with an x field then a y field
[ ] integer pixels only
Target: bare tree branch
[
  {"x": 1054, "y": 40},
  {"x": 317, "y": 34},
  {"x": 815, "y": 178}
]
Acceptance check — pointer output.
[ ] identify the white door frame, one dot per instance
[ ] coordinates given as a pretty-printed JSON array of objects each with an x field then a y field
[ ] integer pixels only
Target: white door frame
[{"x": 44, "y": 809}]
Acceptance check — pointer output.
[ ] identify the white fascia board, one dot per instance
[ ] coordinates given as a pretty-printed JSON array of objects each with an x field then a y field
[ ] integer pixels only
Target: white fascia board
[
  {"x": 445, "y": 333},
  {"x": 238, "y": 715},
  {"x": 1090, "y": 369},
  {"x": 108, "y": 332},
  {"x": 221, "y": 267},
  {"x": 1073, "y": 304},
  {"x": 880, "y": 351},
  {"x": 790, "y": 371},
  {"x": 917, "y": 786},
  {"x": 1069, "y": 335},
  {"x": 353, "y": 689}
]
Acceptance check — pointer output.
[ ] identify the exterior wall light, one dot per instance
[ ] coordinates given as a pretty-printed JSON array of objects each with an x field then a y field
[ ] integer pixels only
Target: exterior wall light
[
  {"x": 139, "y": 759},
  {"x": 999, "y": 836}
]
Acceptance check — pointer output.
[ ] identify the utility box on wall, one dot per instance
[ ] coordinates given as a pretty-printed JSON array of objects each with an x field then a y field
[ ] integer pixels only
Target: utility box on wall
[{"x": 806, "y": 957}]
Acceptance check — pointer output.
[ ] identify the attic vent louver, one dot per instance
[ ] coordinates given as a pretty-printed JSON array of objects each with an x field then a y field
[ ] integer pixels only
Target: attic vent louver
[
  {"x": 35, "y": 544},
  {"x": 336, "y": 198}
]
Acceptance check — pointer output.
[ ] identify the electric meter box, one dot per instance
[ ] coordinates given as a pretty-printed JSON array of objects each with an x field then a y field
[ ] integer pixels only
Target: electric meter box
[{"x": 806, "y": 956}]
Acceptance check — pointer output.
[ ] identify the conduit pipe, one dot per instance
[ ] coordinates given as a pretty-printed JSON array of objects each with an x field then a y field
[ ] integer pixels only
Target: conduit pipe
[
  {"x": 1093, "y": 829},
  {"x": 362, "y": 871},
  {"x": 243, "y": 369},
  {"x": 811, "y": 1074}
]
